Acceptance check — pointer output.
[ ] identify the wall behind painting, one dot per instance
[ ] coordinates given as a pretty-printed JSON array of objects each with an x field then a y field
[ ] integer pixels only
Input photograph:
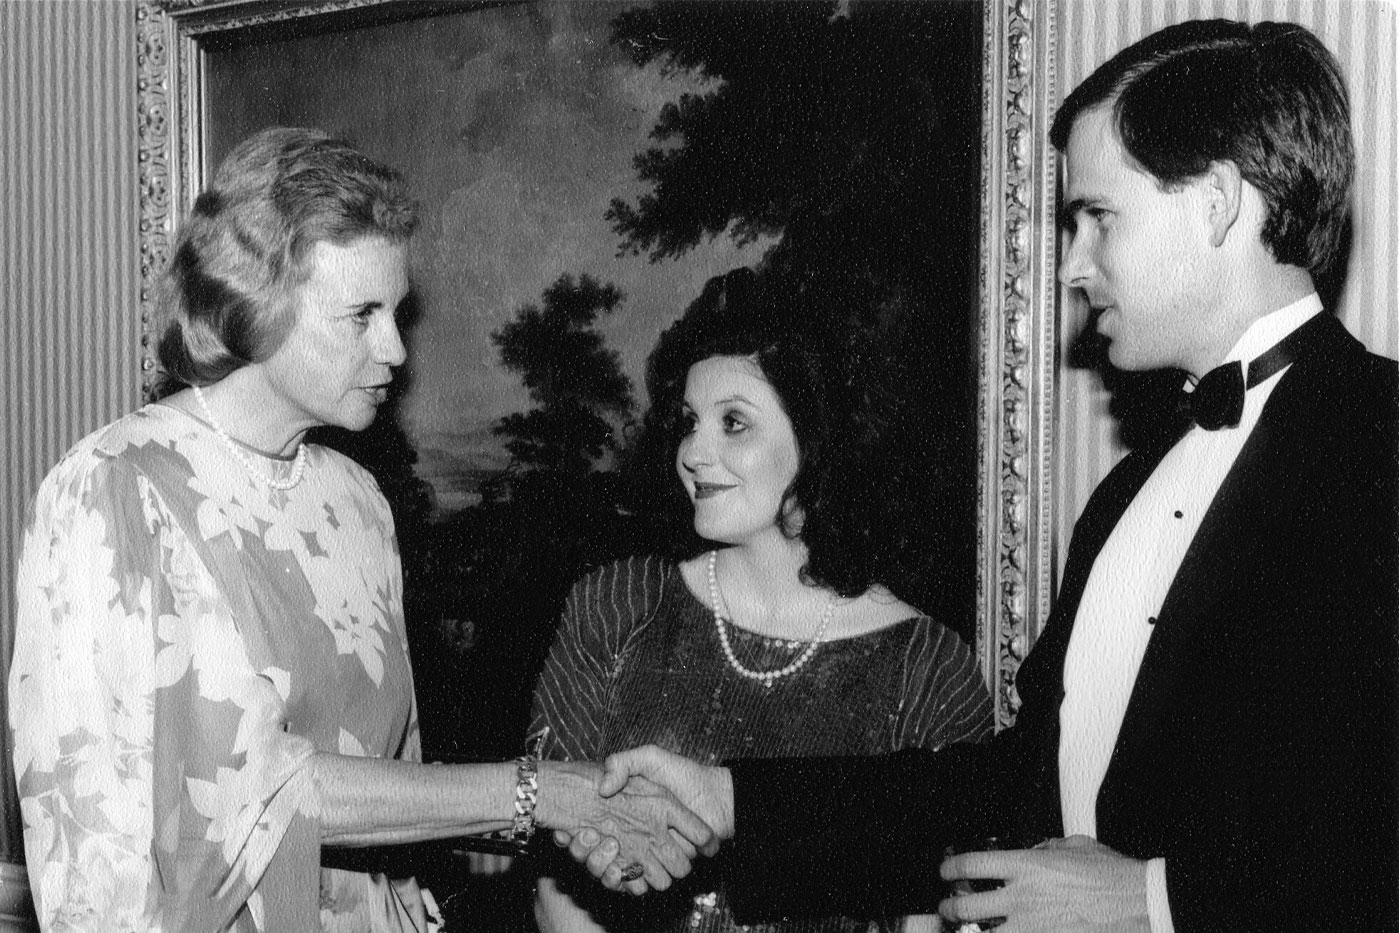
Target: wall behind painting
[
  {"x": 69, "y": 265},
  {"x": 1362, "y": 35}
]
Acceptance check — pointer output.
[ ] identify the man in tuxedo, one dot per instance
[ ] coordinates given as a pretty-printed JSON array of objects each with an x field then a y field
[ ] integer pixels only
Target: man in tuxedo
[{"x": 1207, "y": 738}]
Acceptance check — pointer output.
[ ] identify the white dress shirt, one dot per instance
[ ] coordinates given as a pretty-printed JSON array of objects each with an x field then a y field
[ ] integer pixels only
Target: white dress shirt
[{"x": 1128, "y": 584}]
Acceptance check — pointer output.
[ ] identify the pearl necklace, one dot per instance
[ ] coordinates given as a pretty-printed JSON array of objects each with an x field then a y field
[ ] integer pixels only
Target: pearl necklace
[
  {"x": 764, "y": 677},
  {"x": 298, "y": 465}
]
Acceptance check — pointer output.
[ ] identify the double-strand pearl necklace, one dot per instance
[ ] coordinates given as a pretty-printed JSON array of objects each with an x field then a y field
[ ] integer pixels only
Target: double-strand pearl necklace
[
  {"x": 764, "y": 677},
  {"x": 298, "y": 465}
]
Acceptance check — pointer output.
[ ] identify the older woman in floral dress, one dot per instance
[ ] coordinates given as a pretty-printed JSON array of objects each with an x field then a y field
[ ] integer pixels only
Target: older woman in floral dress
[{"x": 211, "y": 678}]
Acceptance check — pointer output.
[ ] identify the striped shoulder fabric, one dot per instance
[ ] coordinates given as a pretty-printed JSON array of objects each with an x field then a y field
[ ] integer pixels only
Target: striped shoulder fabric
[
  {"x": 944, "y": 700},
  {"x": 605, "y": 610}
]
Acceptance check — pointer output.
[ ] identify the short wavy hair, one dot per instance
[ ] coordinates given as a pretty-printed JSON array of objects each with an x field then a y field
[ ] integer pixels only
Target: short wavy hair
[
  {"x": 865, "y": 469},
  {"x": 1268, "y": 97},
  {"x": 228, "y": 296}
]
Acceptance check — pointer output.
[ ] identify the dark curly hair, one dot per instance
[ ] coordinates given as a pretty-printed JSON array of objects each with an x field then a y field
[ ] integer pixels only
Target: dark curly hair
[{"x": 866, "y": 472}]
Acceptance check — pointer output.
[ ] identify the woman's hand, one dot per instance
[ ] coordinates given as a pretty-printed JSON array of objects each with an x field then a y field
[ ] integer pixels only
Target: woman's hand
[{"x": 644, "y": 824}]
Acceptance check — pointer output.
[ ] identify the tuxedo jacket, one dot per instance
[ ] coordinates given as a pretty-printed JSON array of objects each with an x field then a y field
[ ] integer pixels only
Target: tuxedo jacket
[{"x": 1257, "y": 754}]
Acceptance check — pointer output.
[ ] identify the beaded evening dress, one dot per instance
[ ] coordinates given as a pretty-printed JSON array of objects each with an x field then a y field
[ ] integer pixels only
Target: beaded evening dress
[{"x": 638, "y": 660}]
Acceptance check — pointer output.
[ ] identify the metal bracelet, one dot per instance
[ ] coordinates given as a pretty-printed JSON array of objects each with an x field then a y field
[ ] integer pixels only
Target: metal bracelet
[{"x": 527, "y": 792}]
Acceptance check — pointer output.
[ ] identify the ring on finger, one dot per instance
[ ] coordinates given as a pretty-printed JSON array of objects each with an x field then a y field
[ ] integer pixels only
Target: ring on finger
[{"x": 632, "y": 871}]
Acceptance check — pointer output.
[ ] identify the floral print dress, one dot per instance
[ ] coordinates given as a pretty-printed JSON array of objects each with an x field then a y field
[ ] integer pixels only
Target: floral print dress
[{"x": 188, "y": 637}]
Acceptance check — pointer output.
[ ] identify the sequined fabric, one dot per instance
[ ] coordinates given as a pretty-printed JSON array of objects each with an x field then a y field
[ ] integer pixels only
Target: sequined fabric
[{"x": 638, "y": 660}]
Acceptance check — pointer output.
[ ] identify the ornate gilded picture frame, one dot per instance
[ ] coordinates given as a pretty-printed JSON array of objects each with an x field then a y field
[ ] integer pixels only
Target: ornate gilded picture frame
[{"x": 1016, "y": 332}]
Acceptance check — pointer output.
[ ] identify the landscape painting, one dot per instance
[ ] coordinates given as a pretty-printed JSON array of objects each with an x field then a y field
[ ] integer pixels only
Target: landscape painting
[{"x": 583, "y": 169}]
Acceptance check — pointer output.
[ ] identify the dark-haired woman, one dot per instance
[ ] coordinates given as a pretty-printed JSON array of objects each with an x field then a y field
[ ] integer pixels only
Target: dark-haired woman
[
  {"x": 210, "y": 679},
  {"x": 781, "y": 637}
]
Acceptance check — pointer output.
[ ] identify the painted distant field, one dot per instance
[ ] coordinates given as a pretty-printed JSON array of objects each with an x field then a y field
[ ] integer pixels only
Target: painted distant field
[{"x": 455, "y": 463}]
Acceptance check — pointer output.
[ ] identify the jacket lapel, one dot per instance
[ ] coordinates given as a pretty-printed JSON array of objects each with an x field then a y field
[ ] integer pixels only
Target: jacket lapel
[{"x": 1040, "y": 679}]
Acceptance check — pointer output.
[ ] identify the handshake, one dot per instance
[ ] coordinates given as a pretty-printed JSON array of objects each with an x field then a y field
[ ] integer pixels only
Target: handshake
[{"x": 639, "y": 819}]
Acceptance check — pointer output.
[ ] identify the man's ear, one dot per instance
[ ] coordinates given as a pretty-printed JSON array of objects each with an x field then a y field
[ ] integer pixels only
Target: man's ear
[{"x": 1223, "y": 191}]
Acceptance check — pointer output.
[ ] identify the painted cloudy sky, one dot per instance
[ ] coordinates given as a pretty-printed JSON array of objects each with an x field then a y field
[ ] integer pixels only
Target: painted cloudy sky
[{"x": 516, "y": 125}]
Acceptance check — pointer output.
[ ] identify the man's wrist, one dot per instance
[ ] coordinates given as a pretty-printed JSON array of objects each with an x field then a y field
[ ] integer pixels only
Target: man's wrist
[{"x": 1159, "y": 908}]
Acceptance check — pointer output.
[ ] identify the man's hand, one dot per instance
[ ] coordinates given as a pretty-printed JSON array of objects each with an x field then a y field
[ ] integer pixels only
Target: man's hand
[
  {"x": 1065, "y": 885},
  {"x": 644, "y": 823},
  {"x": 708, "y": 791}
]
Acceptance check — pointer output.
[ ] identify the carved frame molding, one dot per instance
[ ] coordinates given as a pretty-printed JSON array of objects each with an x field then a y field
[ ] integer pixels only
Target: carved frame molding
[
  {"x": 1017, "y": 332},
  {"x": 1015, "y": 546}
]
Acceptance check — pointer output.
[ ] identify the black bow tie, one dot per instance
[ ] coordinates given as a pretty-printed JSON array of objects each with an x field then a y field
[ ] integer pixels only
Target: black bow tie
[{"x": 1218, "y": 398}]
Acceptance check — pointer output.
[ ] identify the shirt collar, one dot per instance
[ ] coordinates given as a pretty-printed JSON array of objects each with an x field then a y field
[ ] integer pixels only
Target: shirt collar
[{"x": 1273, "y": 327}]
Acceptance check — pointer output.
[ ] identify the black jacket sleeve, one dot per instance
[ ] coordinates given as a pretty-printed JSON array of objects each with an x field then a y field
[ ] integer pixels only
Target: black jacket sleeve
[{"x": 862, "y": 836}]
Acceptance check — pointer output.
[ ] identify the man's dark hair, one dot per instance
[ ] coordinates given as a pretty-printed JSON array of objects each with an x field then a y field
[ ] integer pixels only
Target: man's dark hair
[{"x": 1268, "y": 97}]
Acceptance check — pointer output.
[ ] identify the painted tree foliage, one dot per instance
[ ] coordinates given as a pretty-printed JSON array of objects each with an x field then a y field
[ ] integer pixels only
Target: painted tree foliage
[
  {"x": 574, "y": 379},
  {"x": 849, "y": 132},
  {"x": 505, "y": 565}
]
